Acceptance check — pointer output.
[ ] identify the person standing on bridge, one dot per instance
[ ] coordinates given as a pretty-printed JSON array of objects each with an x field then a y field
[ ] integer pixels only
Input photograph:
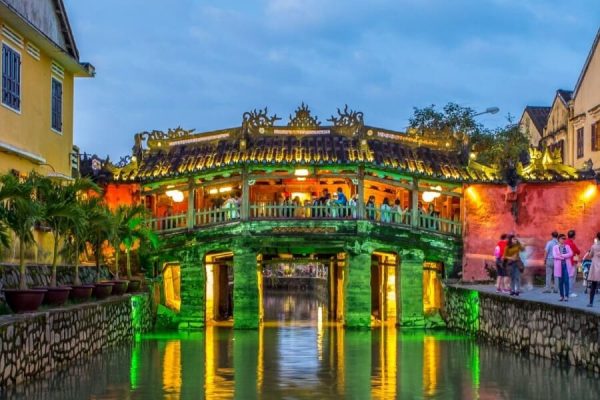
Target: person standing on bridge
[
  {"x": 563, "y": 268},
  {"x": 549, "y": 262},
  {"x": 576, "y": 252},
  {"x": 513, "y": 263},
  {"x": 502, "y": 279},
  {"x": 594, "y": 272}
]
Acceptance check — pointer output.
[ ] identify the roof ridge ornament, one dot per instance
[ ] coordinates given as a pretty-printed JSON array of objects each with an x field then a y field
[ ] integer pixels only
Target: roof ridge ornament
[
  {"x": 303, "y": 119},
  {"x": 347, "y": 118},
  {"x": 256, "y": 119}
]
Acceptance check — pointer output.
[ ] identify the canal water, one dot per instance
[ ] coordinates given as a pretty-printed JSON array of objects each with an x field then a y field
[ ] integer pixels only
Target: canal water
[{"x": 297, "y": 355}]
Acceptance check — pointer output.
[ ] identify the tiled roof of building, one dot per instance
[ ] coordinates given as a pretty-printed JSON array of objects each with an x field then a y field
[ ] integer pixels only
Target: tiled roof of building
[
  {"x": 539, "y": 116},
  {"x": 565, "y": 95}
]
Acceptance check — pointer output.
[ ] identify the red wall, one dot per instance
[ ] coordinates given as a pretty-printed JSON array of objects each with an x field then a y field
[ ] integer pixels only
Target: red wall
[
  {"x": 121, "y": 194},
  {"x": 542, "y": 208}
]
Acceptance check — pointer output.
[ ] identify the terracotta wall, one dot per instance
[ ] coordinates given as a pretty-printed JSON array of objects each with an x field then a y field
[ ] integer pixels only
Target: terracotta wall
[
  {"x": 121, "y": 194},
  {"x": 542, "y": 208}
]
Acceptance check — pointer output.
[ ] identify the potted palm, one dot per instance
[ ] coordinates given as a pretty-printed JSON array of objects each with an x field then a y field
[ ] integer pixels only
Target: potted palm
[
  {"x": 122, "y": 219},
  {"x": 97, "y": 232},
  {"x": 20, "y": 210},
  {"x": 59, "y": 211},
  {"x": 134, "y": 233},
  {"x": 75, "y": 244}
]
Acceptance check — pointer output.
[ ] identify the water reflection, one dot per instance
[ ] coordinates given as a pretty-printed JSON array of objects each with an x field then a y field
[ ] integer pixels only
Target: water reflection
[{"x": 307, "y": 362}]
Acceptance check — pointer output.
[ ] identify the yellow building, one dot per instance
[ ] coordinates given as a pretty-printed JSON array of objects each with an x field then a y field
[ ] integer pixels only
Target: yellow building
[
  {"x": 39, "y": 63},
  {"x": 584, "y": 124},
  {"x": 555, "y": 131},
  {"x": 532, "y": 123}
]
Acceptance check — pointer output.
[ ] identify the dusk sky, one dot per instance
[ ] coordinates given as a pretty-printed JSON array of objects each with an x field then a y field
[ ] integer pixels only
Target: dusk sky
[{"x": 202, "y": 64}]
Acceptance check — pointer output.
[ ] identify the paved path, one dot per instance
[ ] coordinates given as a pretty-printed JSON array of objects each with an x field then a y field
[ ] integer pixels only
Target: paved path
[{"x": 535, "y": 294}]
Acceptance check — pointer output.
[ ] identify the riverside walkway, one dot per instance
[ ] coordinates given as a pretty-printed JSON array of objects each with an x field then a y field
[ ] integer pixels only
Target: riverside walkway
[{"x": 536, "y": 294}]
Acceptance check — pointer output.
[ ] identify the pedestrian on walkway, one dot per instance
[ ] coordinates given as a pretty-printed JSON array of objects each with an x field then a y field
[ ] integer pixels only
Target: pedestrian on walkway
[
  {"x": 594, "y": 272},
  {"x": 563, "y": 267},
  {"x": 549, "y": 261},
  {"x": 513, "y": 264},
  {"x": 576, "y": 252},
  {"x": 502, "y": 280}
]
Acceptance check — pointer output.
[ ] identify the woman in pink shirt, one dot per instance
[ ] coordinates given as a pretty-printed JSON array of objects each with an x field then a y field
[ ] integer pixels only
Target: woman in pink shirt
[{"x": 563, "y": 267}]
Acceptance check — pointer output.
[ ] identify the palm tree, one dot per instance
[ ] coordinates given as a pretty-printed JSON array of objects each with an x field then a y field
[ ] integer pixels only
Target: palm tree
[
  {"x": 98, "y": 228},
  {"x": 75, "y": 238},
  {"x": 20, "y": 211},
  {"x": 60, "y": 208},
  {"x": 132, "y": 231},
  {"x": 123, "y": 219}
]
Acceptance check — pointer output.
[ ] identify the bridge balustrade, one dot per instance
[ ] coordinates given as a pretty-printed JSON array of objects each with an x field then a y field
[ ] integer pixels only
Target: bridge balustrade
[{"x": 386, "y": 216}]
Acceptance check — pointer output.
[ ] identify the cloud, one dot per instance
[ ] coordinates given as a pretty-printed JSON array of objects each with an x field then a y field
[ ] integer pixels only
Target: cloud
[{"x": 202, "y": 64}]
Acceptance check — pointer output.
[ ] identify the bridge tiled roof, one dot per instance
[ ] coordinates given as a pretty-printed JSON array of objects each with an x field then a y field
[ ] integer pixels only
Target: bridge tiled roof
[{"x": 302, "y": 142}]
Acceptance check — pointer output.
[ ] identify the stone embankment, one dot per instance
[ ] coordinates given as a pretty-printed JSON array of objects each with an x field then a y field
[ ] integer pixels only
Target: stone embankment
[
  {"x": 542, "y": 329},
  {"x": 36, "y": 343}
]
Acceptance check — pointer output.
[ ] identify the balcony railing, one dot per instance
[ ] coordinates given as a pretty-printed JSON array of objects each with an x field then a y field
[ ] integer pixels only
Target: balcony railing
[{"x": 265, "y": 211}]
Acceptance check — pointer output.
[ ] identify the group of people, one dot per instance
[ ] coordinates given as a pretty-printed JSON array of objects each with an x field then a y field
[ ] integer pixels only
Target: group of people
[
  {"x": 561, "y": 258},
  {"x": 387, "y": 213}
]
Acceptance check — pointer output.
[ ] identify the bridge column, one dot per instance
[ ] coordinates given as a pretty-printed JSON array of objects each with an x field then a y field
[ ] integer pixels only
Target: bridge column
[
  {"x": 192, "y": 290},
  {"x": 246, "y": 294},
  {"x": 409, "y": 288},
  {"x": 357, "y": 294}
]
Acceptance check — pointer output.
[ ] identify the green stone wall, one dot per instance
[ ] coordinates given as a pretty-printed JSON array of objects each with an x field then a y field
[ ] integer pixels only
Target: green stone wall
[
  {"x": 245, "y": 289},
  {"x": 411, "y": 289},
  {"x": 357, "y": 289},
  {"x": 193, "y": 278}
]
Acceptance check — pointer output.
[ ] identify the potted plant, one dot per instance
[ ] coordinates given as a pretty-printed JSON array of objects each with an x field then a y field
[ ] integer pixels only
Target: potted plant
[
  {"x": 119, "y": 221},
  {"x": 135, "y": 233},
  {"x": 97, "y": 232},
  {"x": 59, "y": 208},
  {"x": 74, "y": 245},
  {"x": 20, "y": 211}
]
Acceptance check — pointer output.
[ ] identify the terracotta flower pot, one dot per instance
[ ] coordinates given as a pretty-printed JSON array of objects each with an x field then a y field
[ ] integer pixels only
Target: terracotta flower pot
[
  {"x": 120, "y": 287},
  {"x": 56, "y": 296},
  {"x": 134, "y": 285},
  {"x": 102, "y": 290},
  {"x": 24, "y": 300},
  {"x": 81, "y": 292}
]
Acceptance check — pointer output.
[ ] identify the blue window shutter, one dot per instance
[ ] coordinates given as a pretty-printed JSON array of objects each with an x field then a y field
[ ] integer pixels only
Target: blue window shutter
[{"x": 11, "y": 78}]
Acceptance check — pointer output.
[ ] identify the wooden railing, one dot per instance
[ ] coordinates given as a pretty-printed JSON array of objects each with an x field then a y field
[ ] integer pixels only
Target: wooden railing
[{"x": 265, "y": 211}]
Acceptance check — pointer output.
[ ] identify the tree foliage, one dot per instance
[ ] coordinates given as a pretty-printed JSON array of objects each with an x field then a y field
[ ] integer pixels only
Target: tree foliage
[{"x": 502, "y": 147}]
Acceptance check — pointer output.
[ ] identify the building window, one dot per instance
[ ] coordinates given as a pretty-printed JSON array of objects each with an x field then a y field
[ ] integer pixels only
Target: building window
[
  {"x": 595, "y": 137},
  {"x": 11, "y": 78},
  {"x": 580, "y": 143},
  {"x": 56, "y": 105}
]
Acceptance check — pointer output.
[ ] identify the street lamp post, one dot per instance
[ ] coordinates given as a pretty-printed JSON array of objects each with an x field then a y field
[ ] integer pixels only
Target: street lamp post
[{"x": 489, "y": 110}]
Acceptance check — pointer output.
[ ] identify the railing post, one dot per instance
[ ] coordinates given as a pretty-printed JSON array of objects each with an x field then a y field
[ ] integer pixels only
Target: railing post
[
  {"x": 191, "y": 204},
  {"x": 245, "y": 206},
  {"x": 415, "y": 203},
  {"x": 360, "y": 206}
]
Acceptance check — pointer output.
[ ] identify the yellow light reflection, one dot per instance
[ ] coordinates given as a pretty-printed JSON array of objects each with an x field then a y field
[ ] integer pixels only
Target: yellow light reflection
[
  {"x": 589, "y": 193},
  {"x": 391, "y": 294},
  {"x": 210, "y": 294},
  {"x": 320, "y": 333},
  {"x": 260, "y": 368},
  {"x": 172, "y": 370},
  {"x": 432, "y": 287},
  {"x": 172, "y": 285},
  {"x": 218, "y": 381},
  {"x": 473, "y": 195},
  {"x": 431, "y": 365},
  {"x": 384, "y": 385}
]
